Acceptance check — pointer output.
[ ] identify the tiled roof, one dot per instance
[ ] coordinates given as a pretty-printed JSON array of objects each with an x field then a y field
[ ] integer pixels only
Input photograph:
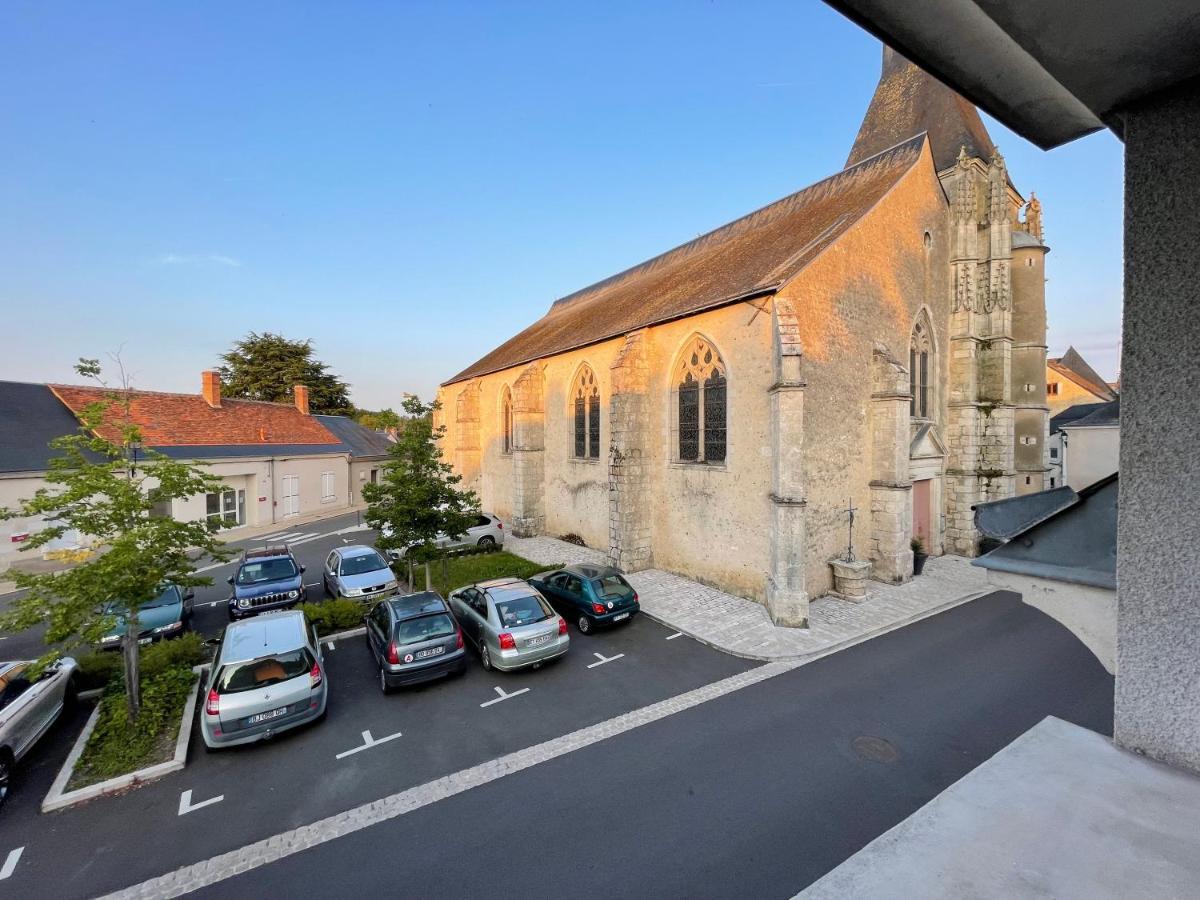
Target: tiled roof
[
  {"x": 909, "y": 101},
  {"x": 169, "y": 420},
  {"x": 30, "y": 418},
  {"x": 361, "y": 440},
  {"x": 1073, "y": 366},
  {"x": 749, "y": 257}
]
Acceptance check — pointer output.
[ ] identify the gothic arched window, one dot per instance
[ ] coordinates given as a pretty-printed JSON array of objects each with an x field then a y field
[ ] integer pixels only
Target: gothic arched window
[
  {"x": 506, "y": 421},
  {"x": 700, "y": 403},
  {"x": 920, "y": 368},
  {"x": 585, "y": 404}
]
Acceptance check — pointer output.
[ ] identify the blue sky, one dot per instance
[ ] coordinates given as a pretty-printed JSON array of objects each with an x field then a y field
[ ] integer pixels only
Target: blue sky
[{"x": 409, "y": 184}]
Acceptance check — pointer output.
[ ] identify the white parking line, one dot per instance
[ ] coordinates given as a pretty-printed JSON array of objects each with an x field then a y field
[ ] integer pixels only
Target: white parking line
[
  {"x": 329, "y": 646},
  {"x": 671, "y": 637},
  {"x": 602, "y": 659},
  {"x": 186, "y": 805},
  {"x": 504, "y": 696},
  {"x": 312, "y": 584},
  {"x": 368, "y": 743},
  {"x": 10, "y": 863},
  {"x": 214, "y": 566}
]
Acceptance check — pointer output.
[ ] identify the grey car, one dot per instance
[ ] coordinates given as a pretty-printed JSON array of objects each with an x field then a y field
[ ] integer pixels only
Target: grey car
[
  {"x": 414, "y": 638},
  {"x": 510, "y": 624},
  {"x": 28, "y": 707},
  {"x": 358, "y": 571},
  {"x": 487, "y": 532},
  {"x": 267, "y": 676}
]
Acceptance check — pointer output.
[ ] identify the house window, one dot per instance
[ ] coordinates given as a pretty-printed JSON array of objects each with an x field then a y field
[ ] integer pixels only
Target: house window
[
  {"x": 226, "y": 507},
  {"x": 1051, "y": 481},
  {"x": 506, "y": 422},
  {"x": 920, "y": 349},
  {"x": 1052, "y": 389},
  {"x": 1029, "y": 479},
  {"x": 1054, "y": 453},
  {"x": 328, "y": 494},
  {"x": 701, "y": 404},
  {"x": 586, "y": 409}
]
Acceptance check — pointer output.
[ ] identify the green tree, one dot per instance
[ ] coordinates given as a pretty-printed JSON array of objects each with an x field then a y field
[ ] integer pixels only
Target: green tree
[
  {"x": 417, "y": 496},
  {"x": 378, "y": 421},
  {"x": 268, "y": 366},
  {"x": 104, "y": 486}
]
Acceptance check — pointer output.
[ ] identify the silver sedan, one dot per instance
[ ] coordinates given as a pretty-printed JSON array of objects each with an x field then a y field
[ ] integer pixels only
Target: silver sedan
[
  {"x": 510, "y": 624},
  {"x": 28, "y": 707}
]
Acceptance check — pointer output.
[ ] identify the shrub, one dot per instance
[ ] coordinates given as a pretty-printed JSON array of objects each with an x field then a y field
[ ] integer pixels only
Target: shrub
[
  {"x": 333, "y": 615},
  {"x": 572, "y": 538},
  {"x": 99, "y": 667}
]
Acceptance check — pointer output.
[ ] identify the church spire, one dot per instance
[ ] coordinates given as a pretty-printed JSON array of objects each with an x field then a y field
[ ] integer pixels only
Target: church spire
[{"x": 908, "y": 101}]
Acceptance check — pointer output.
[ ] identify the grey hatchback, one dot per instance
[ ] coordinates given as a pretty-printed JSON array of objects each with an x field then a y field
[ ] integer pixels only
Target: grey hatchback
[
  {"x": 510, "y": 623},
  {"x": 414, "y": 639}
]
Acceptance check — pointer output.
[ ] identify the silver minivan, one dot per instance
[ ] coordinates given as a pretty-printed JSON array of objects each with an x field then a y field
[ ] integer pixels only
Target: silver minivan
[{"x": 267, "y": 676}]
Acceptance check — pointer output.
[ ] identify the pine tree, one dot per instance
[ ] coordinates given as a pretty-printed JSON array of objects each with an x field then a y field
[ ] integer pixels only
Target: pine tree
[{"x": 268, "y": 366}]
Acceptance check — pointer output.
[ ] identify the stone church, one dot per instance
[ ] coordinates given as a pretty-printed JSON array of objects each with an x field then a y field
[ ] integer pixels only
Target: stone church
[{"x": 876, "y": 339}]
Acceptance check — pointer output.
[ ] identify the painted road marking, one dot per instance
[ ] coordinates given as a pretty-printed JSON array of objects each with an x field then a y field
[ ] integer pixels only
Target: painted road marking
[
  {"x": 306, "y": 539},
  {"x": 313, "y": 583},
  {"x": 504, "y": 696},
  {"x": 186, "y": 805},
  {"x": 671, "y": 637},
  {"x": 368, "y": 743},
  {"x": 214, "y": 566},
  {"x": 11, "y": 862},
  {"x": 329, "y": 646},
  {"x": 215, "y": 603},
  {"x": 602, "y": 659}
]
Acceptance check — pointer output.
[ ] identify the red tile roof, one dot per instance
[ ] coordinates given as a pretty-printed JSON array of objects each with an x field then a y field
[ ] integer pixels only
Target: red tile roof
[
  {"x": 168, "y": 420},
  {"x": 751, "y": 256},
  {"x": 1073, "y": 366}
]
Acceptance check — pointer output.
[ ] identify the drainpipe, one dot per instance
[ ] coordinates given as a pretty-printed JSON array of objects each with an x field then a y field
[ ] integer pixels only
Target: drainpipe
[{"x": 271, "y": 476}]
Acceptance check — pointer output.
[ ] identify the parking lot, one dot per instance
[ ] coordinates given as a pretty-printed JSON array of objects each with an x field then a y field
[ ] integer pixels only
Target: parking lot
[{"x": 369, "y": 746}]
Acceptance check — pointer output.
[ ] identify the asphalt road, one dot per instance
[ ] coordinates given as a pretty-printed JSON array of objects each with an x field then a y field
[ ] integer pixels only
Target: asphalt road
[{"x": 755, "y": 794}]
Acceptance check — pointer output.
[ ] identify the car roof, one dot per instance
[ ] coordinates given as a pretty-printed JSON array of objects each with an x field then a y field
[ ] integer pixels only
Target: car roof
[
  {"x": 263, "y": 635},
  {"x": 264, "y": 552},
  {"x": 419, "y": 604},
  {"x": 591, "y": 571},
  {"x": 497, "y": 582},
  {"x": 356, "y": 550}
]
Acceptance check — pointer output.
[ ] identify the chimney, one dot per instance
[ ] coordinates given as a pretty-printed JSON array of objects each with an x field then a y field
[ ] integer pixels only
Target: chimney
[
  {"x": 211, "y": 388},
  {"x": 301, "y": 393}
]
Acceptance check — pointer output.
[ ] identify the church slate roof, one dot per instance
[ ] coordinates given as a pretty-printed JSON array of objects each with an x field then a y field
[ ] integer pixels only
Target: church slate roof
[
  {"x": 751, "y": 256},
  {"x": 1073, "y": 366},
  {"x": 30, "y": 418},
  {"x": 909, "y": 101}
]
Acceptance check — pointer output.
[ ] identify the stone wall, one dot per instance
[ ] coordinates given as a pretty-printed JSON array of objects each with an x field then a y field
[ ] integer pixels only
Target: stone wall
[{"x": 629, "y": 459}]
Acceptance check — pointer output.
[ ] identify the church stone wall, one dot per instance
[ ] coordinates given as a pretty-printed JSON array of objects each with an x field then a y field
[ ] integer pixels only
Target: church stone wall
[{"x": 865, "y": 290}]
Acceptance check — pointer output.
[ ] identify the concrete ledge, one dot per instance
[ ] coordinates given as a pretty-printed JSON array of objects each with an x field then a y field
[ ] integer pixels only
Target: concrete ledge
[{"x": 60, "y": 798}]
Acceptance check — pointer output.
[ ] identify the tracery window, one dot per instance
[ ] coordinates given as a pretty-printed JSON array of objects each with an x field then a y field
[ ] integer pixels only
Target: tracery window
[
  {"x": 701, "y": 403},
  {"x": 920, "y": 353},
  {"x": 506, "y": 420},
  {"x": 586, "y": 407}
]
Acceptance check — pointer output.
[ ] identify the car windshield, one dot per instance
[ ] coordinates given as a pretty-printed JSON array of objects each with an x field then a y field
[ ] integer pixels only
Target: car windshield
[
  {"x": 515, "y": 611},
  {"x": 259, "y": 673},
  {"x": 166, "y": 598},
  {"x": 257, "y": 571},
  {"x": 426, "y": 628},
  {"x": 612, "y": 586},
  {"x": 361, "y": 565}
]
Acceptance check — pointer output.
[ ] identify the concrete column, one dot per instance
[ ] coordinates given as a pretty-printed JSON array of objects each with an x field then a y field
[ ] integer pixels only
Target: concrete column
[
  {"x": 1158, "y": 539},
  {"x": 787, "y": 596},
  {"x": 629, "y": 488},
  {"x": 529, "y": 442},
  {"x": 891, "y": 487}
]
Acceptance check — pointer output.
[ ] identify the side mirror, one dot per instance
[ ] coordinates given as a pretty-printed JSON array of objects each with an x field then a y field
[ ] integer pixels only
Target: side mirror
[
  {"x": 303, "y": 569},
  {"x": 212, "y": 642},
  {"x": 189, "y": 594},
  {"x": 229, "y": 580}
]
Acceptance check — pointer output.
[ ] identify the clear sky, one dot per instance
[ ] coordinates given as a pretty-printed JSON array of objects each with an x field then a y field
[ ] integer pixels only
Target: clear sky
[{"x": 409, "y": 184}]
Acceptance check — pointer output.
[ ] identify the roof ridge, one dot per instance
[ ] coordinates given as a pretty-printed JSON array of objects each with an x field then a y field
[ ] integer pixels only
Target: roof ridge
[{"x": 136, "y": 391}]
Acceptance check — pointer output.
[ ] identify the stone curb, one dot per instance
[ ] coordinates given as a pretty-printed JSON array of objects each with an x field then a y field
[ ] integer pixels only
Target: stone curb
[
  {"x": 58, "y": 798},
  {"x": 843, "y": 644}
]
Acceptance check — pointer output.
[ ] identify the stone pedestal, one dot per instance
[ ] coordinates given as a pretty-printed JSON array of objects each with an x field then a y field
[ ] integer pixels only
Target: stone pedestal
[{"x": 850, "y": 579}]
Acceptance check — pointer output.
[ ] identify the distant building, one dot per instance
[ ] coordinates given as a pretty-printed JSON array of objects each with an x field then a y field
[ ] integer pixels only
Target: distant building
[
  {"x": 1085, "y": 443},
  {"x": 1070, "y": 381}
]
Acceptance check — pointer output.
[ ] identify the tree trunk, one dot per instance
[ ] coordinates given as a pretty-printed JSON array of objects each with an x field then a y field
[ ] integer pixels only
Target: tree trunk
[
  {"x": 133, "y": 684},
  {"x": 428, "y": 577}
]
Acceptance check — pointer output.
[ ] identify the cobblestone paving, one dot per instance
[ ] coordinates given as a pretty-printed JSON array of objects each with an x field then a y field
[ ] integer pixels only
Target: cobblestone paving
[{"x": 743, "y": 628}]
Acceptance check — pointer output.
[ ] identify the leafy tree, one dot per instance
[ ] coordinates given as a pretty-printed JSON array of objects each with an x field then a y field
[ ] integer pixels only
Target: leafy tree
[
  {"x": 104, "y": 486},
  {"x": 378, "y": 421},
  {"x": 267, "y": 366},
  {"x": 417, "y": 497}
]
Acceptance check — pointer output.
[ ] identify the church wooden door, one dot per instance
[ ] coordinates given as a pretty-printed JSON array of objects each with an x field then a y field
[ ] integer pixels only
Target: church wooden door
[{"x": 921, "y": 512}]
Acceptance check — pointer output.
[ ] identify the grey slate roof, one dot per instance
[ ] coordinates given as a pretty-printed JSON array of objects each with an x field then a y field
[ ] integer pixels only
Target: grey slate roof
[
  {"x": 30, "y": 417},
  {"x": 1005, "y": 519},
  {"x": 1077, "y": 544},
  {"x": 362, "y": 441},
  {"x": 1073, "y": 414},
  {"x": 1105, "y": 414}
]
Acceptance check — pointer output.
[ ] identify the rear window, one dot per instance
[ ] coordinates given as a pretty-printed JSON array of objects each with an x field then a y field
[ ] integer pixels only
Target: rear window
[
  {"x": 361, "y": 565},
  {"x": 523, "y": 610},
  {"x": 263, "y": 570},
  {"x": 260, "y": 673},
  {"x": 612, "y": 586},
  {"x": 426, "y": 628}
]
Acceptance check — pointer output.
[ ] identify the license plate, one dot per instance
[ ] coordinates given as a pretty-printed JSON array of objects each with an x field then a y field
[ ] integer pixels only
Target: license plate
[
  {"x": 267, "y": 716},
  {"x": 539, "y": 640},
  {"x": 144, "y": 640},
  {"x": 432, "y": 651},
  {"x": 620, "y": 617}
]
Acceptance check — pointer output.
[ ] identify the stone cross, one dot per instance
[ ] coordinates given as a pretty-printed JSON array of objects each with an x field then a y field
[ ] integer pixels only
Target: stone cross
[{"x": 850, "y": 510}]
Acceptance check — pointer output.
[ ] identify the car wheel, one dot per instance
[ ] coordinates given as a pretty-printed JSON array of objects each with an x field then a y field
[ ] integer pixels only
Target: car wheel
[
  {"x": 383, "y": 682},
  {"x": 328, "y": 594},
  {"x": 585, "y": 624},
  {"x": 6, "y": 765},
  {"x": 485, "y": 658},
  {"x": 487, "y": 542}
]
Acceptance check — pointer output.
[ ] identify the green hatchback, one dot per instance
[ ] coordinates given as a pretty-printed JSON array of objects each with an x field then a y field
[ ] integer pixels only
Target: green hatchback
[
  {"x": 167, "y": 615},
  {"x": 589, "y": 595}
]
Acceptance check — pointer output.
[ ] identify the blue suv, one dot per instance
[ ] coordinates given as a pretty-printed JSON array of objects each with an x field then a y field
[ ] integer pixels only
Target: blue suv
[{"x": 266, "y": 579}]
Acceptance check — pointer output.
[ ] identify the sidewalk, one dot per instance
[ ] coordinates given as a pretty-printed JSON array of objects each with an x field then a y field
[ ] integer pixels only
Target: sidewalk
[{"x": 742, "y": 627}]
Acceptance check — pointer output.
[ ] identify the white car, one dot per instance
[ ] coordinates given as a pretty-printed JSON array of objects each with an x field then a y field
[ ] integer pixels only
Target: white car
[
  {"x": 28, "y": 708},
  {"x": 488, "y": 531}
]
